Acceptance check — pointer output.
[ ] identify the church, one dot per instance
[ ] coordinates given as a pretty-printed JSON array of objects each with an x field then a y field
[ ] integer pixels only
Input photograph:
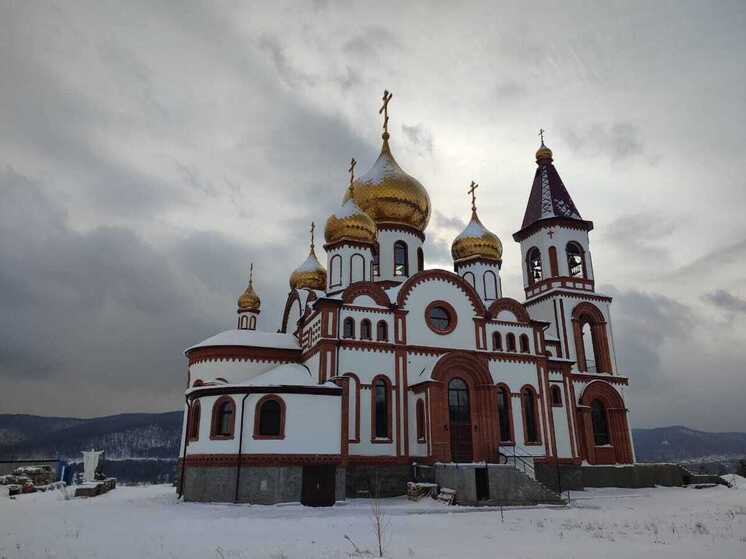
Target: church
[{"x": 381, "y": 366}]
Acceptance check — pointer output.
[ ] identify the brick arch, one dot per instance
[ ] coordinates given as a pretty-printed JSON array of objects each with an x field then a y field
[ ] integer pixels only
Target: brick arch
[
  {"x": 366, "y": 288},
  {"x": 509, "y": 304},
  {"x": 482, "y": 403},
  {"x": 446, "y": 276},
  {"x": 294, "y": 297},
  {"x": 620, "y": 450},
  {"x": 588, "y": 313}
]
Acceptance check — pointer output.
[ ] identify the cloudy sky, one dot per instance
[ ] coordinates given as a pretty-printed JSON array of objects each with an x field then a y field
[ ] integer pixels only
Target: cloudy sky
[{"x": 150, "y": 150}]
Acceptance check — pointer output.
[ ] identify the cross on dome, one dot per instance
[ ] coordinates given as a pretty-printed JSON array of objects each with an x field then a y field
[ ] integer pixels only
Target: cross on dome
[
  {"x": 313, "y": 228},
  {"x": 351, "y": 170},
  {"x": 472, "y": 190},
  {"x": 385, "y": 110},
  {"x": 541, "y": 135}
]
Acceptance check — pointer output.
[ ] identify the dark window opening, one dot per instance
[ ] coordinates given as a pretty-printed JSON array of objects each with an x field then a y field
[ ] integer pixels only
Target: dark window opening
[
  {"x": 224, "y": 418},
  {"x": 270, "y": 419},
  {"x": 533, "y": 262},
  {"x": 381, "y": 394},
  {"x": 382, "y": 331},
  {"x": 600, "y": 424},
  {"x": 194, "y": 427},
  {"x": 420, "y": 260},
  {"x": 524, "y": 344},
  {"x": 529, "y": 410},
  {"x": 497, "y": 341},
  {"x": 348, "y": 328},
  {"x": 503, "y": 408},
  {"x": 556, "y": 396},
  {"x": 510, "y": 339},
  {"x": 420, "y": 421},
  {"x": 401, "y": 263},
  {"x": 575, "y": 260},
  {"x": 440, "y": 318},
  {"x": 365, "y": 330},
  {"x": 375, "y": 266}
]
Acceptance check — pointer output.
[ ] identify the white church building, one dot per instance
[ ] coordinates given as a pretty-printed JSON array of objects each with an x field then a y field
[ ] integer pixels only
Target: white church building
[{"x": 379, "y": 363}]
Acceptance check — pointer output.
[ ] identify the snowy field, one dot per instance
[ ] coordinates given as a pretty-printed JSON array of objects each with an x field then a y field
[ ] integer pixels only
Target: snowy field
[{"x": 149, "y": 522}]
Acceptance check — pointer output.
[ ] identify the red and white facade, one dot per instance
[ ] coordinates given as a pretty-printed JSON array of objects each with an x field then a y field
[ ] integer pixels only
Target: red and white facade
[{"x": 383, "y": 369}]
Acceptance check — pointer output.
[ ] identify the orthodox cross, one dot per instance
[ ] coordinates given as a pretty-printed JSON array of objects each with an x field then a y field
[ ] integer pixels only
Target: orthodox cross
[
  {"x": 251, "y": 274},
  {"x": 551, "y": 234},
  {"x": 541, "y": 135},
  {"x": 351, "y": 170},
  {"x": 313, "y": 228},
  {"x": 385, "y": 110},
  {"x": 472, "y": 190}
]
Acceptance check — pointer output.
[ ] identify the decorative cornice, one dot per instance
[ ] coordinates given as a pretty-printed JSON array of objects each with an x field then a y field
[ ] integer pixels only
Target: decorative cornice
[
  {"x": 567, "y": 223},
  {"x": 511, "y": 305},
  {"x": 568, "y": 294},
  {"x": 383, "y": 226},
  {"x": 205, "y": 390},
  {"x": 442, "y": 275},
  {"x": 231, "y": 460},
  {"x": 370, "y": 289},
  {"x": 243, "y": 353}
]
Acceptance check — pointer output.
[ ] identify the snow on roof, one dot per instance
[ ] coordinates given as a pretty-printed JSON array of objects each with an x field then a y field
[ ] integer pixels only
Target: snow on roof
[
  {"x": 475, "y": 229},
  {"x": 348, "y": 209},
  {"x": 310, "y": 264},
  {"x": 250, "y": 338},
  {"x": 289, "y": 374}
]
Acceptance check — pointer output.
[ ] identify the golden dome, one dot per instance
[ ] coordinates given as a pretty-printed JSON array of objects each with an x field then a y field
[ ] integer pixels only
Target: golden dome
[
  {"x": 391, "y": 196},
  {"x": 350, "y": 222},
  {"x": 476, "y": 242},
  {"x": 249, "y": 300},
  {"x": 543, "y": 153},
  {"x": 310, "y": 275}
]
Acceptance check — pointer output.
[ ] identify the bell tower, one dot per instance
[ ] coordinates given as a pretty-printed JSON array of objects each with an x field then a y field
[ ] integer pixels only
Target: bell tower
[
  {"x": 558, "y": 276},
  {"x": 248, "y": 305}
]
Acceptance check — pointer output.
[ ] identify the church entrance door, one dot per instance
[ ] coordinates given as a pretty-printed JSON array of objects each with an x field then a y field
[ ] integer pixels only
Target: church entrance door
[
  {"x": 318, "y": 485},
  {"x": 459, "y": 415}
]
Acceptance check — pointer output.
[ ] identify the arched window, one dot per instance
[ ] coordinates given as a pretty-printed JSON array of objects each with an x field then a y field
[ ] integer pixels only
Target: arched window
[
  {"x": 365, "y": 330},
  {"x": 401, "y": 261},
  {"x": 269, "y": 418},
  {"x": 523, "y": 340},
  {"x": 348, "y": 328},
  {"x": 335, "y": 270},
  {"x": 575, "y": 260},
  {"x": 591, "y": 341},
  {"x": 252, "y": 323},
  {"x": 553, "y": 271},
  {"x": 600, "y": 424},
  {"x": 504, "y": 414},
  {"x": 243, "y": 322},
  {"x": 421, "y": 431},
  {"x": 357, "y": 268},
  {"x": 469, "y": 277},
  {"x": 194, "y": 421},
  {"x": 420, "y": 259},
  {"x": 223, "y": 418},
  {"x": 510, "y": 341},
  {"x": 381, "y": 409},
  {"x": 556, "y": 395},
  {"x": 533, "y": 266},
  {"x": 376, "y": 264},
  {"x": 354, "y": 408},
  {"x": 382, "y": 331},
  {"x": 530, "y": 417},
  {"x": 497, "y": 341},
  {"x": 490, "y": 285}
]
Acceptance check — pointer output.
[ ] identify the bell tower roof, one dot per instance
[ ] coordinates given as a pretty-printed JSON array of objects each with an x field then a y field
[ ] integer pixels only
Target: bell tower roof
[{"x": 549, "y": 199}]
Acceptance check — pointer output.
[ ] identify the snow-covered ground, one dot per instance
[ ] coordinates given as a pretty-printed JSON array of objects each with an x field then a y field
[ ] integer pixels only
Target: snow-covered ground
[{"x": 150, "y": 522}]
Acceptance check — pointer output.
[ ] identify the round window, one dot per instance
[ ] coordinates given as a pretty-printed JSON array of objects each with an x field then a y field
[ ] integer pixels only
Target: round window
[{"x": 440, "y": 317}]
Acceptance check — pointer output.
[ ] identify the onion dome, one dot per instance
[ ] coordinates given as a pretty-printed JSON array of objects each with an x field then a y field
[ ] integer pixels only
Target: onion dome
[
  {"x": 350, "y": 222},
  {"x": 476, "y": 241},
  {"x": 543, "y": 153},
  {"x": 249, "y": 300},
  {"x": 311, "y": 274}
]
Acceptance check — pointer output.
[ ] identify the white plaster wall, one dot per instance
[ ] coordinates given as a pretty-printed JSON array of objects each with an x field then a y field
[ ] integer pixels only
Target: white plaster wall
[
  {"x": 561, "y": 428},
  {"x": 313, "y": 365},
  {"x": 311, "y": 427},
  {"x": 416, "y": 448},
  {"x": 478, "y": 270},
  {"x": 386, "y": 240},
  {"x": 367, "y": 364},
  {"x": 515, "y": 375},
  {"x": 232, "y": 371},
  {"x": 419, "y": 333}
]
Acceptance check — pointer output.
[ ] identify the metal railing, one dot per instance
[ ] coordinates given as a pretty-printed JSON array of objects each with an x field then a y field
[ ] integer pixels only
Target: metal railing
[{"x": 521, "y": 460}]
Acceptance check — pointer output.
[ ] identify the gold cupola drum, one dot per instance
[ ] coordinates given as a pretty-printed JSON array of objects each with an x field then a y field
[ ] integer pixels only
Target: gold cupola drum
[
  {"x": 311, "y": 274},
  {"x": 249, "y": 300}
]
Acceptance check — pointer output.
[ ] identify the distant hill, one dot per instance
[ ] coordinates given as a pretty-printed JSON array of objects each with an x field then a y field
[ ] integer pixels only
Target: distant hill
[
  {"x": 129, "y": 435},
  {"x": 151, "y": 436},
  {"x": 681, "y": 444}
]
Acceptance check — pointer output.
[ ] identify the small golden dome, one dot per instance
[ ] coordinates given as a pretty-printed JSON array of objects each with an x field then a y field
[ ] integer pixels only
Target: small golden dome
[
  {"x": 350, "y": 222},
  {"x": 249, "y": 300},
  {"x": 543, "y": 153},
  {"x": 310, "y": 275},
  {"x": 391, "y": 196},
  {"x": 476, "y": 241}
]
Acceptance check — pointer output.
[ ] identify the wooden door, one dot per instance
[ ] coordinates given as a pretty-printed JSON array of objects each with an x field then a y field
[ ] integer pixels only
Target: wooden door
[
  {"x": 318, "y": 485},
  {"x": 459, "y": 414}
]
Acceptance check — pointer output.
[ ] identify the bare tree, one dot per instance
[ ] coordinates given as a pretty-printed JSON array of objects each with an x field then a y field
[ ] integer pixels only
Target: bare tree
[{"x": 381, "y": 523}]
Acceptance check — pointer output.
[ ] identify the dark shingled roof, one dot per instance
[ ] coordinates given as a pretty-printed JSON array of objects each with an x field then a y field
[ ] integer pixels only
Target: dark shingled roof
[{"x": 549, "y": 197}]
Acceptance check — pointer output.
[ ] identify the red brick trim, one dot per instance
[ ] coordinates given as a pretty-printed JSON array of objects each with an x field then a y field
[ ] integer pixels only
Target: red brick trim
[
  {"x": 459, "y": 264},
  {"x": 616, "y": 416},
  {"x": 193, "y": 420},
  {"x": 553, "y": 267},
  {"x": 588, "y": 313},
  {"x": 370, "y": 289},
  {"x": 554, "y": 292},
  {"x": 239, "y": 389},
  {"x": 611, "y": 379},
  {"x": 215, "y": 419},
  {"x": 243, "y": 353},
  {"x": 452, "y": 317},
  {"x": 258, "y": 417},
  {"x": 349, "y": 243},
  {"x": 511, "y": 305}
]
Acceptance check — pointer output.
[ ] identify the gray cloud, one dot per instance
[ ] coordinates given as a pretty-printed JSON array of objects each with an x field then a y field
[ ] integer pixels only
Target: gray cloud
[
  {"x": 726, "y": 301},
  {"x": 147, "y": 154}
]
